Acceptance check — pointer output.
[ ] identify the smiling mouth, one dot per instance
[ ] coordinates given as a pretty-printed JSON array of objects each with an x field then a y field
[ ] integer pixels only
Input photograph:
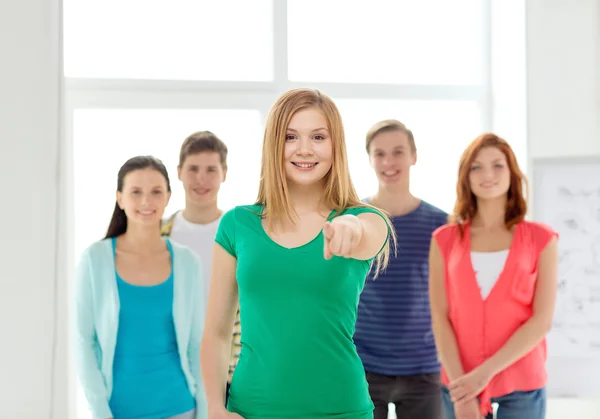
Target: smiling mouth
[
  {"x": 146, "y": 212},
  {"x": 201, "y": 191},
  {"x": 391, "y": 172},
  {"x": 488, "y": 185},
  {"x": 305, "y": 165}
]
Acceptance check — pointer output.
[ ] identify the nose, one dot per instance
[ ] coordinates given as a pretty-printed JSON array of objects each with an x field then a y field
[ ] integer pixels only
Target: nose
[
  {"x": 304, "y": 147},
  {"x": 488, "y": 173},
  {"x": 387, "y": 161}
]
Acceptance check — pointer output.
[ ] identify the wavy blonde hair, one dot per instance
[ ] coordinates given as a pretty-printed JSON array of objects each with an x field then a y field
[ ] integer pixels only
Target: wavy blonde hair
[{"x": 339, "y": 193}]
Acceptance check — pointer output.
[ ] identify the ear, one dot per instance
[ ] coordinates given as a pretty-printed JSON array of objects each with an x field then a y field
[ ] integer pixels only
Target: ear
[
  {"x": 414, "y": 158},
  {"x": 371, "y": 160},
  {"x": 179, "y": 172},
  {"x": 120, "y": 199},
  {"x": 224, "y": 175},
  {"x": 168, "y": 198}
]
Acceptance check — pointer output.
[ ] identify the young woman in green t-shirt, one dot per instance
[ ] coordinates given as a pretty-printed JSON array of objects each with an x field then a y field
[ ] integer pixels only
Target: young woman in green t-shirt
[{"x": 297, "y": 260}]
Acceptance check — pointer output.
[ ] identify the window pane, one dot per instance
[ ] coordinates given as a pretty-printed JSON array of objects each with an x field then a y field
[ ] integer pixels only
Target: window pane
[
  {"x": 105, "y": 139},
  {"x": 386, "y": 41},
  {"x": 178, "y": 39},
  {"x": 442, "y": 131}
]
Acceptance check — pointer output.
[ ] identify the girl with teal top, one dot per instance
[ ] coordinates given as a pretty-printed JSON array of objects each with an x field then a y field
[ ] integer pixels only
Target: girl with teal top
[
  {"x": 138, "y": 309},
  {"x": 297, "y": 261}
]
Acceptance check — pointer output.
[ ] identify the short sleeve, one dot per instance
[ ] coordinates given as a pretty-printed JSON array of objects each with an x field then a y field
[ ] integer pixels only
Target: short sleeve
[
  {"x": 441, "y": 220},
  {"x": 444, "y": 237},
  {"x": 226, "y": 232},
  {"x": 542, "y": 235}
]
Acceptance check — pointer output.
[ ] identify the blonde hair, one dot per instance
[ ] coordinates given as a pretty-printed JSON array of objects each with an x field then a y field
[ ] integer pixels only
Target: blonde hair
[
  {"x": 390, "y": 125},
  {"x": 339, "y": 194}
]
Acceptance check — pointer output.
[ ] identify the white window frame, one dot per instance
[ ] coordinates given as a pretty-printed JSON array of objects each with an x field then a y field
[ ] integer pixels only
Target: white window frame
[{"x": 84, "y": 93}]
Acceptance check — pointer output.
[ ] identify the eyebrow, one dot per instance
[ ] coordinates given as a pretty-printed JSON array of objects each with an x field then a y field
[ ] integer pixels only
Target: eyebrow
[
  {"x": 197, "y": 166},
  {"x": 398, "y": 147},
  {"x": 493, "y": 161},
  {"x": 314, "y": 130}
]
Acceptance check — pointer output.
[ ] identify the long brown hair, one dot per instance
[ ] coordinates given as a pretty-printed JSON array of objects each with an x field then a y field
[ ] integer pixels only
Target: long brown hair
[
  {"x": 466, "y": 202},
  {"x": 118, "y": 222},
  {"x": 339, "y": 193}
]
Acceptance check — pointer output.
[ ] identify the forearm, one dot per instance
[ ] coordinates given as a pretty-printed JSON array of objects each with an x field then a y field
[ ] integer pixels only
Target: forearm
[
  {"x": 373, "y": 232},
  {"x": 445, "y": 341},
  {"x": 521, "y": 342},
  {"x": 214, "y": 365}
]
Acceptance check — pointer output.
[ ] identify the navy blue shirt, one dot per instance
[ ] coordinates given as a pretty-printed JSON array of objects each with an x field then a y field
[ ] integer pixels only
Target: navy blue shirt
[{"x": 393, "y": 330}]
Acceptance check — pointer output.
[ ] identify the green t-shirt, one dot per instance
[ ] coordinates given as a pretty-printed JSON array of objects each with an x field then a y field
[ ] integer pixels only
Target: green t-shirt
[{"x": 298, "y": 313}]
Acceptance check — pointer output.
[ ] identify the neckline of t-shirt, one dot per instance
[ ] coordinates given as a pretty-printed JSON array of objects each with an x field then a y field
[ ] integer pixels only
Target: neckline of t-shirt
[
  {"x": 179, "y": 217},
  {"x": 280, "y": 246}
]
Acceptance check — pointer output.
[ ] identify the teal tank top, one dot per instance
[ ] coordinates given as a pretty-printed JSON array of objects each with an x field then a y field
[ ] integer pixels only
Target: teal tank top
[{"x": 148, "y": 381}]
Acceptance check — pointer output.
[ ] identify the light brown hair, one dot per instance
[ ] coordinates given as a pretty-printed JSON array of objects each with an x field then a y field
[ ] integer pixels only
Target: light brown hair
[
  {"x": 466, "y": 202},
  {"x": 390, "y": 125},
  {"x": 203, "y": 142}
]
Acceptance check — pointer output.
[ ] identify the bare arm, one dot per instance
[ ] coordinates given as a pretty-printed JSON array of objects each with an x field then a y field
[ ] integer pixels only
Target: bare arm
[
  {"x": 526, "y": 337},
  {"x": 445, "y": 340},
  {"x": 218, "y": 328},
  {"x": 375, "y": 233}
]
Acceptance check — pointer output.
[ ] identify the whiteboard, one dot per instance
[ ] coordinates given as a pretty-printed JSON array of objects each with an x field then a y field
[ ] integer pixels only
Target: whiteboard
[{"x": 566, "y": 196}]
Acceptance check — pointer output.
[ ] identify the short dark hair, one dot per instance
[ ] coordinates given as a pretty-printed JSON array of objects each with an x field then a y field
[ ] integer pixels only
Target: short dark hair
[{"x": 201, "y": 142}]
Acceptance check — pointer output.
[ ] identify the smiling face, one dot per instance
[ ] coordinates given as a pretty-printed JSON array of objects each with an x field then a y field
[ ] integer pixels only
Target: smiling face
[
  {"x": 144, "y": 196},
  {"x": 392, "y": 156},
  {"x": 489, "y": 175},
  {"x": 308, "y": 152},
  {"x": 202, "y": 174}
]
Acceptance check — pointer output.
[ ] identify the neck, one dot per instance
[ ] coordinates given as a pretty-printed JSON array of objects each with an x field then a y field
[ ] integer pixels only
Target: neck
[
  {"x": 305, "y": 199},
  {"x": 201, "y": 214},
  {"x": 395, "y": 200},
  {"x": 142, "y": 239},
  {"x": 490, "y": 213}
]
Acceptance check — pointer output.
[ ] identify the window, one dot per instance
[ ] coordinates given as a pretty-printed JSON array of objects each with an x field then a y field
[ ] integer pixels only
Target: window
[
  {"x": 382, "y": 41},
  {"x": 143, "y": 75},
  {"x": 105, "y": 138},
  {"x": 153, "y": 39},
  {"x": 442, "y": 130}
]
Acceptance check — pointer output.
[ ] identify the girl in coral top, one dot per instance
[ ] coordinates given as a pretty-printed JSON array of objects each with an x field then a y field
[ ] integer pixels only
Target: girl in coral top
[{"x": 492, "y": 290}]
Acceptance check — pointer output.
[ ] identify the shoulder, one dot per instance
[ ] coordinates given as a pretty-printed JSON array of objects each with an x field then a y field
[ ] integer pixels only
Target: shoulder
[
  {"x": 361, "y": 209},
  {"x": 444, "y": 234},
  {"x": 538, "y": 228},
  {"x": 439, "y": 216},
  {"x": 433, "y": 210},
  {"x": 239, "y": 214},
  {"x": 182, "y": 251},
  {"x": 167, "y": 224},
  {"x": 97, "y": 250},
  {"x": 539, "y": 233},
  {"x": 450, "y": 229}
]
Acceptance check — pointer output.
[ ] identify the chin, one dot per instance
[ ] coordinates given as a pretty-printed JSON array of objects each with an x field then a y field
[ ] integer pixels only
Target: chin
[
  {"x": 148, "y": 221},
  {"x": 205, "y": 200},
  {"x": 491, "y": 195}
]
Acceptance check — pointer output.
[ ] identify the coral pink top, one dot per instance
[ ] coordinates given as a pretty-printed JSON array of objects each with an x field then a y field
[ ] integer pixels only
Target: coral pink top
[{"x": 482, "y": 327}]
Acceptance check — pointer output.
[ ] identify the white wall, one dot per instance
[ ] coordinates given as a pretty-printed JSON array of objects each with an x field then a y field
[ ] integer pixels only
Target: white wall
[
  {"x": 30, "y": 74},
  {"x": 563, "y": 114},
  {"x": 563, "y": 93}
]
